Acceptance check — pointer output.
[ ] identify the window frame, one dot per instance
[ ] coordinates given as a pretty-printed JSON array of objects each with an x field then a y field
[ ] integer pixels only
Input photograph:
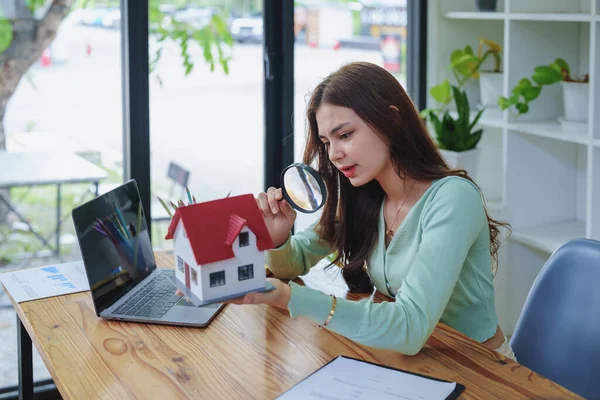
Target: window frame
[
  {"x": 213, "y": 279},
  {"x": 246, "y": 236},
  {"x": 247, "y": 267}
]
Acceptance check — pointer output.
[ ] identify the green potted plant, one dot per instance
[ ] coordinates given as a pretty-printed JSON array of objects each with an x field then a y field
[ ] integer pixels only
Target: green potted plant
[
  {"x": 457, "y": 138},
  {"x": 575, "y": 91},
  {"x": 464, "y": 62}
]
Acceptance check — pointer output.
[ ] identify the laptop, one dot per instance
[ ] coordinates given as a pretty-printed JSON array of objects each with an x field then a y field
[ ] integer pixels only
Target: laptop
[{"x": 119, "y": 262}]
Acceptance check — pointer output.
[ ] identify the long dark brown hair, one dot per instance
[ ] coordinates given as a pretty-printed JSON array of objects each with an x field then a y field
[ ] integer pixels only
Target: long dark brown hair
[{"x": 350, "y": 226}]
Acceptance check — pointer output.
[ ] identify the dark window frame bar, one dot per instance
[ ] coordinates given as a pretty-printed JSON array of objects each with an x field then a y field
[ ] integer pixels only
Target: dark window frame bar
[
  {"x": 416, "y": 52},
  {"x": 136, "y": 99},
  {"x": 278, "y": 56}
]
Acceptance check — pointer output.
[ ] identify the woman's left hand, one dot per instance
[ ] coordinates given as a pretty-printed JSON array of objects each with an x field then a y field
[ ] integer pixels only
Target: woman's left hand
[{"x": 278, "y": 297}]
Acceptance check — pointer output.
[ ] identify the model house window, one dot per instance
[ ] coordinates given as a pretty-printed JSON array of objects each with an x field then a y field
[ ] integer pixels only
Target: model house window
[
  {"x": 194, "y": 276},
  {"x": 217, "y": 279},
  {"x": 245, "y": 272},
  {"x": 180, "y": 264},
  {"x": 244, "y": 241}
]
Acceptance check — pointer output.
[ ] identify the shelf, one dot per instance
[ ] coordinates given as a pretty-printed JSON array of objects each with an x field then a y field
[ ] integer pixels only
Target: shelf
[
  {"x": 549, "y": 129},
  {"x": 486, "y": 120},
  {"x": 551, "y": 17},
  {"x": 490, "y": 120},
  {"x": 549, "y": 237},
  {"x": 475, "y": 15},
  {"x": 539, "y": 172},
  {"x": 498, "y": 16}
]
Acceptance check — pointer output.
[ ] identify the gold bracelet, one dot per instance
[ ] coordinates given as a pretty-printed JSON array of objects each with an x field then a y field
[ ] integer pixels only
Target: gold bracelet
[{"x": 331, "y": 312}]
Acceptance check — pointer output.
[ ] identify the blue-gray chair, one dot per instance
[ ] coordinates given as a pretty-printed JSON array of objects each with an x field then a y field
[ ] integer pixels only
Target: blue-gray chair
[{"x": 558, "y": 332}]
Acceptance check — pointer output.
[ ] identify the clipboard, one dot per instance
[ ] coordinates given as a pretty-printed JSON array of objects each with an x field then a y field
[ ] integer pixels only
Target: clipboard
[{"x": 458, "y": 389}]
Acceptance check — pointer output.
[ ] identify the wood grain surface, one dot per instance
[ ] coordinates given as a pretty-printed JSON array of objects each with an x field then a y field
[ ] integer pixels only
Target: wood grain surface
[{"x": 247, "y": 352}]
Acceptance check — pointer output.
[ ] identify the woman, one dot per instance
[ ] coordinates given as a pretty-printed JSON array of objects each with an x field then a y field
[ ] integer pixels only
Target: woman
[{"x": 397, "y": 217}]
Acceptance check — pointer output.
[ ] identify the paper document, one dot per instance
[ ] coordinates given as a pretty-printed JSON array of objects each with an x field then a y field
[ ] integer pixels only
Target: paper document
[
  {"x": 347, "y": 378},
  {"x": 48, "y": 281}
]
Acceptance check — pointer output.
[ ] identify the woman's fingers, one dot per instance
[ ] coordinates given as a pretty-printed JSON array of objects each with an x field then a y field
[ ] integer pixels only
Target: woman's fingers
[
  {"x": 274, "y": 195},
  {"x": 287, "y": 209},
  {"x": 263, "y": 203}
]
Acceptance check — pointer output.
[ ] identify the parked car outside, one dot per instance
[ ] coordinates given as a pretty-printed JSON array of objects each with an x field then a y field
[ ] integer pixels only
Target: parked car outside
[{"x": 247, "y": 29}]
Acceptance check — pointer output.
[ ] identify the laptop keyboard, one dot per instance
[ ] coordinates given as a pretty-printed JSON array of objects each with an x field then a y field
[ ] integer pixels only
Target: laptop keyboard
[{"x": 153, "y": 300}]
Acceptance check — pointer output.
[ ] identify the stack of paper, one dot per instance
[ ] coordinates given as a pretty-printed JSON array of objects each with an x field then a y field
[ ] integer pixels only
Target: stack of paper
[
  {"x": 348, "y": 378},
  {"x": 48, "y": 281}
]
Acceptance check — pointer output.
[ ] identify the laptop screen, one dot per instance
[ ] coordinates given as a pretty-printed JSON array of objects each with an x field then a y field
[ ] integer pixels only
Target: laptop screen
[{"x": 114, "y": 242}]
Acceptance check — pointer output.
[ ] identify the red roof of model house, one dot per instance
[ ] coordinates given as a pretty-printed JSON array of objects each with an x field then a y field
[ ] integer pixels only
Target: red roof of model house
[{"x": 212, "y": 227}]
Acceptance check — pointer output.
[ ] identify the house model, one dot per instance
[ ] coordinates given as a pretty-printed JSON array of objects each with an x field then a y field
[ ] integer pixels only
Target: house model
[{"x": 218, "y": 248}]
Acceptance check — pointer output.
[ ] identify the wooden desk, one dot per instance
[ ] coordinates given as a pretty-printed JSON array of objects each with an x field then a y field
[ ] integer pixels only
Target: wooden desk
[{"x": 247, "y": 352}]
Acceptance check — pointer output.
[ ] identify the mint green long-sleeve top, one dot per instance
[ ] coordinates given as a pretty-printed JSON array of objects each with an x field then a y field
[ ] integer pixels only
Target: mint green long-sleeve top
[{"x": 438, "y": 264}]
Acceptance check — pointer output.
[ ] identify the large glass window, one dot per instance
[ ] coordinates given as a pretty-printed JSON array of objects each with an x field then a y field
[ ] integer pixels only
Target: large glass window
[
  {"x": 332, "y": 33},
  {"x": 206, "y": 118},
  {"x": 60, "y": 104}
]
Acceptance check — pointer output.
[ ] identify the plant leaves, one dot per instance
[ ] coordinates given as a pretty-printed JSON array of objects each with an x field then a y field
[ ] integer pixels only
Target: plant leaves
[
  {"x": 492, "y": 45},
  {"x": 424, "y": 113},
  {"x": 455, "y": 55},
  {"x": 561, "y": 66},
  {"x": 545, "y": 75},
  {"x": 448, "y": 136},
  {"x": 464, "y": 59},
  {"x": 437, "y": 124},
  {"x": 34, "y": 4},
  {"x": 524, "y": 83},
  {"x": 455, "y": 134},
  {"x": 462, "y": 107},
  {"x": 6, "y": 34},
  {"x": 522, "y": 108},
  {"x": 441, "y": 92},
  {"x": 476, "y": 119},
  {"x": 503, "y": 102},
  {"x": 531, "y": 93},
  {"x": 221, "y": 27},
  {"x": 473, "y": 139}
]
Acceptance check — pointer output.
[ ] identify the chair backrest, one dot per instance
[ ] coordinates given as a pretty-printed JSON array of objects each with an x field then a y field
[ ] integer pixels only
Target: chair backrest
[
  {"x": 558, "y": 332},
  {"x": 178, "y": 175}
]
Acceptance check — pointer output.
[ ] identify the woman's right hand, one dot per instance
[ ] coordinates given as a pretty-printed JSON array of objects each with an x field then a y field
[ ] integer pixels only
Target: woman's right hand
[{"x": 279, "y": 215}]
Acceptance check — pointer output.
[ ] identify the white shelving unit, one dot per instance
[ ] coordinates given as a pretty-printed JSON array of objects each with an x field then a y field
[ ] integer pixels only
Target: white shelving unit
[{"x": 543, "y": 179}]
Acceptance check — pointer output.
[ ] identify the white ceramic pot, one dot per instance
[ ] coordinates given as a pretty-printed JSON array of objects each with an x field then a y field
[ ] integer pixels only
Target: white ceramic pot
[
  {"x": 467, "y": 160},
  {"x": 490, "y": 85},
  {"x": 576, "y": 99}
]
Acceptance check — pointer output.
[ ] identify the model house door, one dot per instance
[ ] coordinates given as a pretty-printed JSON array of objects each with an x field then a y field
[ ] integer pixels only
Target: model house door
[{"x": 187, "y": 275}]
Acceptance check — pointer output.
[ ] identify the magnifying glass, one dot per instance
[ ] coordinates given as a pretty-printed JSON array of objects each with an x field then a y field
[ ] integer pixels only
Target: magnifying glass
[{"x": 303, "y": 188}]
